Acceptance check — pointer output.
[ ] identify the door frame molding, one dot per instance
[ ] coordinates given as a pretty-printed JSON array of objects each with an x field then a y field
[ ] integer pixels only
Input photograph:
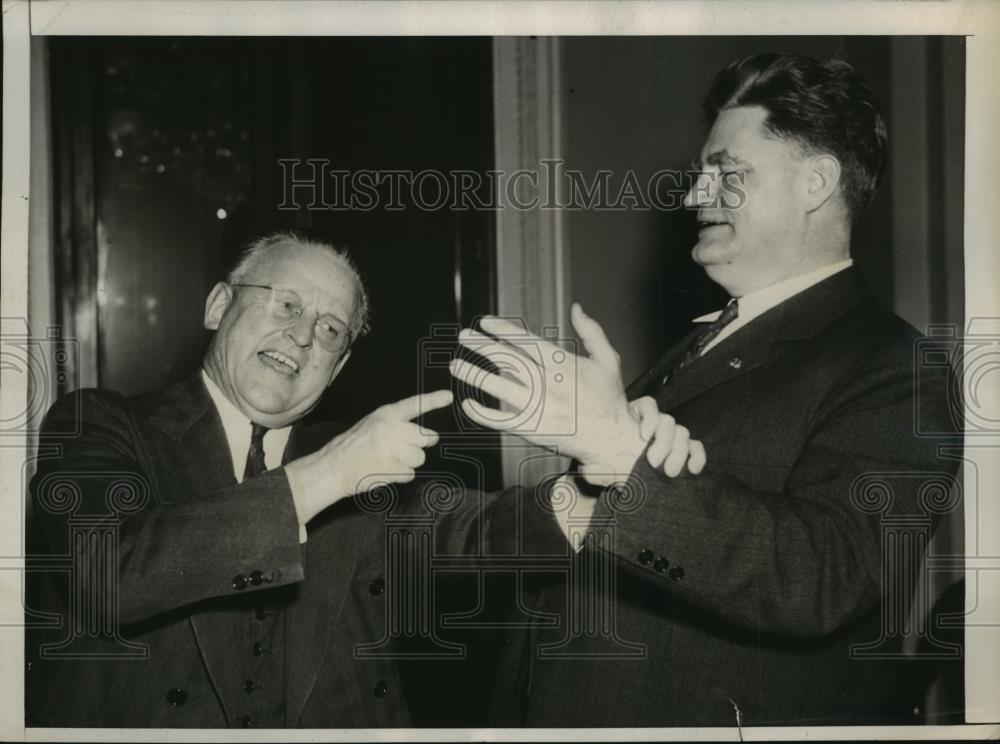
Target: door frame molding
[{"x": 532, "y": 280}]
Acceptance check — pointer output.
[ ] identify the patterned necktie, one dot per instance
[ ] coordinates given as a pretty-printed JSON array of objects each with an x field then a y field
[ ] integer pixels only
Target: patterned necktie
[
  {"x": 255, "y": 457},
  {"x": 727, "y": 316}
]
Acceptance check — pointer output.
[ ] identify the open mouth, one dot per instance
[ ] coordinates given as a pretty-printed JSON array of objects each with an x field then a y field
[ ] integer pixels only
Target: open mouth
[
  {"x": 706, "y": 224},
  {"x": 279, "y": 362}
]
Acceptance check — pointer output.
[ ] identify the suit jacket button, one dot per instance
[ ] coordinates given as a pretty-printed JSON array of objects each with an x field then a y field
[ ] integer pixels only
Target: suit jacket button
[
  {"x": 256, "y": 578},
  {"x": 661, "y": 565},
  {"x": 377, "y": 586},
  {"x": 246, "y": 721},
  {"x": 176, "y": 697},
  {"x": 646, "y": 557},
  {"x": 380, "y": 688},
  {"x": 258, "y": 649},
  {"x": 249, "y": 685},
  {"x": 239, "y": 582},
  {"x": 260, "y": 613},
  {"x": 676, "y": 573}
]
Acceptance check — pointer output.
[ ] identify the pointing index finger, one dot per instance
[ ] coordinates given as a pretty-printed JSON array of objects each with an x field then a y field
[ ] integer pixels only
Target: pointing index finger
[{"x": 410, "y": 408}]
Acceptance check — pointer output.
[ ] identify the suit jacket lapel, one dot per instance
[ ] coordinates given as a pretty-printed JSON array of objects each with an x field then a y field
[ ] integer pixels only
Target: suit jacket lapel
[
  {"x": 649, "y": 382},
  {"x": 201, "y": 439},
  {"x": 336, "y": 540},
  {"x": 800, "y": 317},
  {"x": 745, "y": 350},
  {"x": 195, "y": 448},
  {"x": 190, "y": 419}
]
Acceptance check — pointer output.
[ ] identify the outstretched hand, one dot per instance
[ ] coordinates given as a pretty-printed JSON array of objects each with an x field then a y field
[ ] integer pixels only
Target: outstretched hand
[{"x": 573, "y": 405}]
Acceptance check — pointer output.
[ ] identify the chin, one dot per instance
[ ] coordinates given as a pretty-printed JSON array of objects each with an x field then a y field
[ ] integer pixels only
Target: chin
[
  {"x": 711, "y": 252},
  {"x": 726, "y": 275},
  {"x": 264, "y": 399}
]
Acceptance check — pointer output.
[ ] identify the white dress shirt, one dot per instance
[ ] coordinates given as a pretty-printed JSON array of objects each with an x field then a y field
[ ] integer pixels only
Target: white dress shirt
[
  {"x": 238, "y": 430},
  {"x": 759, "y": 302},
  {"x": 238, "y": 427}
]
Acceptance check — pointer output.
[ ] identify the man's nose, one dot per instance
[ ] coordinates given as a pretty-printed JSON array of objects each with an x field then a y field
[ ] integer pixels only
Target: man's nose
[
  {"x": 700, "y": 193},
  {"x": 302, "y": 330}
]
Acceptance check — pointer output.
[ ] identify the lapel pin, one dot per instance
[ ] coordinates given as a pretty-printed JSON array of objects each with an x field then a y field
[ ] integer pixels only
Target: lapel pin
[{"x": 735, "y": 362}]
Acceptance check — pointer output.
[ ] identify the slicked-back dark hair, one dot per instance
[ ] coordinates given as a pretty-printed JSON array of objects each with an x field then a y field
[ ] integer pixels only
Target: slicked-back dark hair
[{"x": 823, "y": 106}]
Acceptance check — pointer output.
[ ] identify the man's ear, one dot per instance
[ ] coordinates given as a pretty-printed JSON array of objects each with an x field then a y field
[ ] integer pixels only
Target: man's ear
[
  {"x": 339, "y": 366},
  {"x": 823, "y": 180},
  {"x": 215, "y": 306}
]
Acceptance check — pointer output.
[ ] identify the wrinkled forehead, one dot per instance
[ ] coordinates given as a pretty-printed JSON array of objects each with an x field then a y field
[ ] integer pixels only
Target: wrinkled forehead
[{"x": 315, "y": 273}]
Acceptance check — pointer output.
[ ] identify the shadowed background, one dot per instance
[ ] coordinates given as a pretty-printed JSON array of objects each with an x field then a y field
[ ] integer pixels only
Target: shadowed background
[{"x": 155, "y": 159}]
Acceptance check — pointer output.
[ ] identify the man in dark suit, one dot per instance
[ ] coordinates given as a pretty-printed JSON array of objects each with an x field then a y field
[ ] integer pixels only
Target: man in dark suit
[
  {"x": 748, "y": 594},
  {"x": 221, "y": 575}
]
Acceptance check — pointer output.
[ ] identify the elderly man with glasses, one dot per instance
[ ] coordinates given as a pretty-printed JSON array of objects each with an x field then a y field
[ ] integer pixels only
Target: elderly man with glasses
[
  {"x": 236, "y": 576},
  {"x": 210, "y": 617}
]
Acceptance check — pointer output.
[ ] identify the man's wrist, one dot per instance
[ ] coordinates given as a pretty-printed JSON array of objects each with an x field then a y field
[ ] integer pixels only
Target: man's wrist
[
  {"x": 613, "y": 470},
  {"x": 613, "y": 459},
  {"x": 576, "y": 509},
  {"x": 298, "y": 489},
  {"x": 303, "y": 487}
]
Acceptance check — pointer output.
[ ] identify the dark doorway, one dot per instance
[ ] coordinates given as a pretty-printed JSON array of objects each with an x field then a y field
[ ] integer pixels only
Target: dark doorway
[{"x": 168, "y": 157}]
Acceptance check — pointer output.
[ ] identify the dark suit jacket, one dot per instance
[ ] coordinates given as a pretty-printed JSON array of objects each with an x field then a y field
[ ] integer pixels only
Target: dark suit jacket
[
  {"x": 185, "y": 531},
  {"x": 744, "y": 588}
]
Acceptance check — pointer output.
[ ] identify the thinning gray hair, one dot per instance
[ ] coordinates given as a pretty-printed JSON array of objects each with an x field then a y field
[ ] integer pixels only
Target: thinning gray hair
[{"x": 360, "y": 323}]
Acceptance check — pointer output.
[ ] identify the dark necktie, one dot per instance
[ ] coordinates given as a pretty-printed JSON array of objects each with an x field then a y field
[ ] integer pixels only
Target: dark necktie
[
  {"x": 727, "y": 316},
  {"x": 255, "y": 457}
]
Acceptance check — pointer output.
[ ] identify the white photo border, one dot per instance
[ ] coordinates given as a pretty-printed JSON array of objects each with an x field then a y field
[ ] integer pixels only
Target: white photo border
[{"x": 978, "y": 20}]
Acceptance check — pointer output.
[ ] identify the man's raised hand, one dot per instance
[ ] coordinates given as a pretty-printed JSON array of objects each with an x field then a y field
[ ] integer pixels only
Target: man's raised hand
[
  {"x": 573, "y": 405},
  {"x": 385, "y": 443}
]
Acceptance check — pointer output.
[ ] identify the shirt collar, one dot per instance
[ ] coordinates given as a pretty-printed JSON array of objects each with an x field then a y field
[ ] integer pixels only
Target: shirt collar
[
  {"x": 237, "y": 429},
  {"x": 759, "y": 302}
]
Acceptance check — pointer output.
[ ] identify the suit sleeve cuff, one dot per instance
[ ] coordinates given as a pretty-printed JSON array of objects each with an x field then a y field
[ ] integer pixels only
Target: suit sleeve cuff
[{"x": 572, "y": 520}]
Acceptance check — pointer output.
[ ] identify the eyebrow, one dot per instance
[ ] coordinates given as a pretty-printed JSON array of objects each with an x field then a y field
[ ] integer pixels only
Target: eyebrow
[
  {"x": 719, "y": 157},
  {"x": 300, "y": 293}
]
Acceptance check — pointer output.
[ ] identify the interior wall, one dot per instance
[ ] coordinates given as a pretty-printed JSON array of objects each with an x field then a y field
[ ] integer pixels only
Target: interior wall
[{"x": 635, "y": 104}]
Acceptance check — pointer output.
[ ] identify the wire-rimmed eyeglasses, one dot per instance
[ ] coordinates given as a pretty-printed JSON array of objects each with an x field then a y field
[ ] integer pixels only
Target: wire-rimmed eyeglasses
[{"x": 286, "y": 305}]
